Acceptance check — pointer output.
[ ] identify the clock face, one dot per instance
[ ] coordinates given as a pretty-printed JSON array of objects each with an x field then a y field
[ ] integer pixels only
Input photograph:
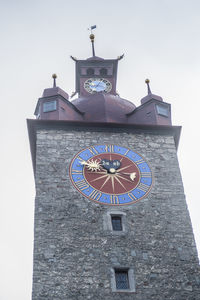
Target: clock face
[
  {"x": 111, "y": 174},
  {"x": 95, "y": 85}
]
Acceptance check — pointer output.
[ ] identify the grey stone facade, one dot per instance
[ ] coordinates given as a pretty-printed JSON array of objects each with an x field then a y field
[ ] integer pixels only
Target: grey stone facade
[{"x": 75, "y": 249}]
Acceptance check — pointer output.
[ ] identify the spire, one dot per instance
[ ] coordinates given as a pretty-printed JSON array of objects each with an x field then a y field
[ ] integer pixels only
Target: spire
[
  {"x": 148, "y": 87},
  {"x": 150, "y": 96},
  {"x": 92, "y": 38},
  {"x": 54, "y": 76},
  {"x": 92, "y": 41}
]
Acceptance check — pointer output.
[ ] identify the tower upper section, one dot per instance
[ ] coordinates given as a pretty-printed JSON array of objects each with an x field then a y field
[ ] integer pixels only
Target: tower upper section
[
  {"x": 98, "y": 101},
  {"x": 95, "y": 75}
]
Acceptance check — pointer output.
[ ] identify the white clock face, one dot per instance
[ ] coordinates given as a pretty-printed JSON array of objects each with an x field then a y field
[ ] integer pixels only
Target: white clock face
[{"x": 95, "y": 85}]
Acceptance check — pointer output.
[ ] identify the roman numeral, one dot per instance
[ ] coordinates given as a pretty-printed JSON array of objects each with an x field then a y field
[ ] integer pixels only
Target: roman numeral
[
  {"x": 80, "y": 158},
  {"x": 146, "y": 174},
  {"x": 96, "y": 195},
  {"x": 143, "y": 187},
  {"x": 132, "y": 196},
  {"x": 140, "y": 161},
  {"x": 76, "y": 172},
  {"x": 82, "y": 184},
  {"x": 93, "y": 151},
  {"x": 126, "y": 152},
  {"x": 114, "y": 199},
  {"x": 109, "y": 148}
]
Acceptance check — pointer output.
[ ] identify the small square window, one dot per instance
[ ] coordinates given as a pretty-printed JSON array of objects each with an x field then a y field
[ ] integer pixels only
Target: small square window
[
  {"x": 116, "y": 223},
  {"x": 162, "y": 110},
  {"x": 122, "y": 281},
  {"x": 49, "y": 106}
]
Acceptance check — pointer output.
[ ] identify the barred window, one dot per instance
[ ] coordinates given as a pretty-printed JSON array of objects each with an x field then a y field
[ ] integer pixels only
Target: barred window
[
  {"x": 122, "y": 281},
  {"x": 116, "y": 223}
]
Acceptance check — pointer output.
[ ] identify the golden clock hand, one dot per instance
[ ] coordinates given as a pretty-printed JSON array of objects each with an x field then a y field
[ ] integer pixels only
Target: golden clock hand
[
  {"x": 131, "y": 175},
  {"x": 92, "y": 165},
  {"x": 85, "y": 163},
  {"x": 124, "y": 178},
  {"x": 97, "y": 172}
]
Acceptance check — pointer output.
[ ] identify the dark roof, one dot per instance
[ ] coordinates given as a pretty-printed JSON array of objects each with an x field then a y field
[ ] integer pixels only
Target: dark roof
[
  {"x": 95, "y": 58},
  {"x": 102, "y": 107},
  {"x": 150, "y": 97},
  {"x": 55, "y": 91}
]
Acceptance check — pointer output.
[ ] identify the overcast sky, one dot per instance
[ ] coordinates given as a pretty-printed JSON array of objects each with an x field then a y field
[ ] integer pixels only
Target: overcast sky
[{"x": 161, "y": 41}]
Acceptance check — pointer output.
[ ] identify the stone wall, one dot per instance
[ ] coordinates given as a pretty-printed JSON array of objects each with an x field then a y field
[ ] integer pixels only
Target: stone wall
[{"x": 75, "y": 250}]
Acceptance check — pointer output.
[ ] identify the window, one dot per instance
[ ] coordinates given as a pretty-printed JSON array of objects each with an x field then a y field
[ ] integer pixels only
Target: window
[
  {"x": 103, "y": 71},
  {"x": 49, "y": 106},
  {"x": 116, "y": 223},
  {"x": 122, "y": 281},
  {"x": 162, "y": 110},
  {"x": 90, "y": 71}
]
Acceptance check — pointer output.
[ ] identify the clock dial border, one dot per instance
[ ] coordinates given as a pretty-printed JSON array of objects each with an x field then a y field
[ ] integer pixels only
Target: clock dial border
[{"x": 77, "y": 177}]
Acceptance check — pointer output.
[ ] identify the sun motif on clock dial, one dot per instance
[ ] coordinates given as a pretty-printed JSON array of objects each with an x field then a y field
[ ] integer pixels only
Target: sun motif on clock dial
[{"x": 111, "y": 174}]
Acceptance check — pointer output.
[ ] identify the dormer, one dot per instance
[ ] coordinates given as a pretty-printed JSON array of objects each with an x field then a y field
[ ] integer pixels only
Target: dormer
[
  {"x": 54, "y": 105},
  {"x": 153, "y": 110}
]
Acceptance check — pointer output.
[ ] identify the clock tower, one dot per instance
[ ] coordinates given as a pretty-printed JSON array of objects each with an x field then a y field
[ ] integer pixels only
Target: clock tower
[{"x": 111, "y": 220}]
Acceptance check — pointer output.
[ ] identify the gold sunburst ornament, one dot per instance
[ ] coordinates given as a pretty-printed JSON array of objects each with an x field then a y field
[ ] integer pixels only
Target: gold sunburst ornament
[{"x": 93, "y": 165}]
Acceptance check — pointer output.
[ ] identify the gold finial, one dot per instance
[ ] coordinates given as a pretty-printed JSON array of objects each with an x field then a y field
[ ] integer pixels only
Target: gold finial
[
  {"x": 92, "y": 41},
  {"x": 148, "y": 87},
  {"x": 147, "y": 81},
  {"x": 54, "y": 76},
  {"x": 92, "y": 37}
]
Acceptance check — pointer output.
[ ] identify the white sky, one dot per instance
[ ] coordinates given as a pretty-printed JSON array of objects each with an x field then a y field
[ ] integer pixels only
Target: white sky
[{"x": 161, "y": 41}]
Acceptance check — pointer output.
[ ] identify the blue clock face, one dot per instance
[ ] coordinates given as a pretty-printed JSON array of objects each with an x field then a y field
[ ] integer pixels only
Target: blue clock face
[
  {"x": 111, "y": 174},
  {"x": 95, "y": 85}
]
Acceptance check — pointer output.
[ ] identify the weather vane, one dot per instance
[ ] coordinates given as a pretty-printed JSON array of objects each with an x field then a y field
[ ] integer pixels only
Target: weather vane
[
  {"x": 92, "y": 38},
  {"x": 92, "y": 27}
]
